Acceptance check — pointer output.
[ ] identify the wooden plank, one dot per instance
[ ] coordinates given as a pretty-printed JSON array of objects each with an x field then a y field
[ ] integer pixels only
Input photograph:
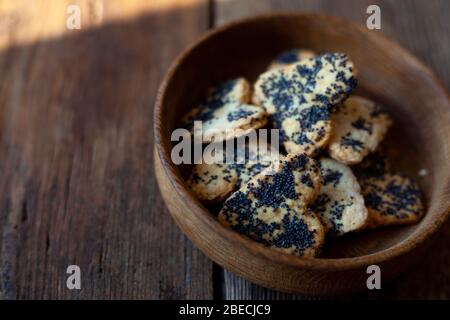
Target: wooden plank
[
  {"x": 424, "y": 28},
  {"x": 76, "y": 145}
]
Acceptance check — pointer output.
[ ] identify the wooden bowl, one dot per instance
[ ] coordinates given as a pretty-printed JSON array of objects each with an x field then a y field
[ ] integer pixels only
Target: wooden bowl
[{"x": 419, "y": 139}]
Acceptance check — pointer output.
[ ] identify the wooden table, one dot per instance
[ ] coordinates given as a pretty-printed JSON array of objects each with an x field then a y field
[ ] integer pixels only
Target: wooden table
[{"x": 76, "y": 174}]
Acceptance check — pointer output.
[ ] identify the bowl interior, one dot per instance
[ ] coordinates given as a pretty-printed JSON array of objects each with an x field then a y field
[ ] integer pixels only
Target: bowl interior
[{"x": 387, "y": 73}]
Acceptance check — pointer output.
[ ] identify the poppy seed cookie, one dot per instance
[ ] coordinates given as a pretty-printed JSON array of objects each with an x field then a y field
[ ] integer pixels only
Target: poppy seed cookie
[
  {"x": 391, "y": 198},
  {"x": 214, "y": 182},
  {"x": 339, "y": 204},
  {"x": 231, "y": 91},
  {"x": 358, "y": 127},
  {"x": 271, "y": 208},
  {"x": 299, "y": 98},
  {"x": 289, "y": 57},
  {"x": 225, "y": 114},
  {"x": 231, "y": 121}
]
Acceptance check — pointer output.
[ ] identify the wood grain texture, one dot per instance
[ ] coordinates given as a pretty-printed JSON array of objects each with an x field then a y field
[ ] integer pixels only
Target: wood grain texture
[
  {"x": 76, "y": 146},
  {"x": 77, "y": 182},
  {"x": 424, "y": 28}
]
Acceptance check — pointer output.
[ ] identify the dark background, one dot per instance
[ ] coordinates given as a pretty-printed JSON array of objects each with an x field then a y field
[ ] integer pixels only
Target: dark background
[{"x": 76, "y": 171}]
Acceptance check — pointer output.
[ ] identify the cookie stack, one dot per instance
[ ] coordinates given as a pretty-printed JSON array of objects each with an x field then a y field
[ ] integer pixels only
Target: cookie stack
[{"x": 329, "y": 179}]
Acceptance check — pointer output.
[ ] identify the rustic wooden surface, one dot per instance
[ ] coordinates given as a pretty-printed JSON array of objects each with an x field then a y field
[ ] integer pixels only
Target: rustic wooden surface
[{"x": 77, "y": 183}]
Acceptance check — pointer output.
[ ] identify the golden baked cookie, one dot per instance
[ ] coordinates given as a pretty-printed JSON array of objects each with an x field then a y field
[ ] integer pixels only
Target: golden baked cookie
[
  {"x": 213, "y": 183},
  {"x": 271, "y": 208},
  {"x": 391, "y": 198},
  {"x": 359, "y": 125},
  {"x": 299, "y": 98},
  {"x": 339, "y": 204},
  {"x": 225, "y": 113}
]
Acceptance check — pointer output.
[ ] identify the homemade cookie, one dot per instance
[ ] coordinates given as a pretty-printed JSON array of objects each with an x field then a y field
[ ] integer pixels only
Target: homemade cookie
[
  {"x": 230, "y": 121},
  {"x": 213, "y": 183},
  {"x": 358, "y": 127},
  {"x": 339, "y": 204},
  {"x": 271, "y": 208},
  {"x": 224, "y": 114},
  {"x": 393, "y": 199},
  {"x": 390, "y": 198},
  {"x": 231, "y": 91},
  {"x": 299, "y": 97},
  {"x": 289, "y": 57}
]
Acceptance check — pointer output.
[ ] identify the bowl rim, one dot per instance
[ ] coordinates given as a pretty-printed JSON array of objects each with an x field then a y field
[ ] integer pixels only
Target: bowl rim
[{"x": 399, "y": 249}]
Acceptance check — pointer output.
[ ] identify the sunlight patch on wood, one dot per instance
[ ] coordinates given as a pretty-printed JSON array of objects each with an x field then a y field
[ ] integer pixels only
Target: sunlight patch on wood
[{"x": 24, "y": 21}]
